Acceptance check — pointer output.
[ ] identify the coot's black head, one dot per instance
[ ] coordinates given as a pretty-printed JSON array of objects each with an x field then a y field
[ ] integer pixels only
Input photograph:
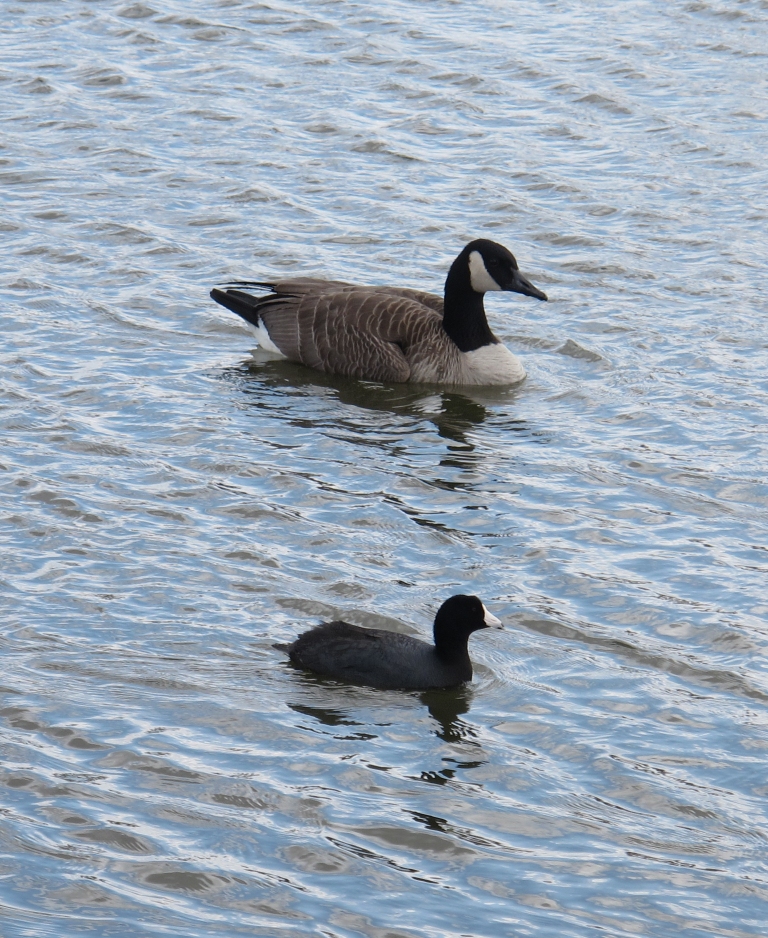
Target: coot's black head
[
  {"x": 456, "y": 620},
  {"x": 487, "y": 265}
]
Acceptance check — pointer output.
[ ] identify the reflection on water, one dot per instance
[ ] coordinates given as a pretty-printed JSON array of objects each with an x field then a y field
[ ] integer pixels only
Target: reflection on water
[
  {"x": 445, "y": 708},
  {"x": 330, "y": 717},
  {"x": 454, "y": 413},
  {"x": 695, "y": 672}
]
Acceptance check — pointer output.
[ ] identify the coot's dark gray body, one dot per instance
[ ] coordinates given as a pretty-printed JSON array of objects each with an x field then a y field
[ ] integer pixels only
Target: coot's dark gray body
[{"x": 388, "y": 660}]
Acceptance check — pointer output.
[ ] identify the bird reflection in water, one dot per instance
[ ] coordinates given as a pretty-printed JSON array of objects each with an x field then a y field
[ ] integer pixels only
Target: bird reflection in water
[
  {"x": 298, "y": 396},
  {"x": 454, "y": 412},
  {"x": 445, "y": 707}
]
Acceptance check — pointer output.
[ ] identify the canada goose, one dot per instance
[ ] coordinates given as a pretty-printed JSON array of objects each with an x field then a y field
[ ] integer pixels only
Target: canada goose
[
  {"x": 389, "y": 660},
  {"x": 391, "y": 333}
]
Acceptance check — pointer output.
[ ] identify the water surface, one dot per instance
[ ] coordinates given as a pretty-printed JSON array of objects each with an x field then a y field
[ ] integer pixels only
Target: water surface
[{"x": 171, "y": 507}]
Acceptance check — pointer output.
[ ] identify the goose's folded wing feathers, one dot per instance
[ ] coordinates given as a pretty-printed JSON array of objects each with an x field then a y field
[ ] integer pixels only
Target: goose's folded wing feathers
[
  {"x": 297, "y": 287},
  {"x": 355, "y": 333},
  {"x": 303, "y": 286}
]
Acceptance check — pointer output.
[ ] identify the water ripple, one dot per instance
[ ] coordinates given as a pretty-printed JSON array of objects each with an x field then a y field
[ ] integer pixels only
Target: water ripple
[{"x": 173, "y": 507}]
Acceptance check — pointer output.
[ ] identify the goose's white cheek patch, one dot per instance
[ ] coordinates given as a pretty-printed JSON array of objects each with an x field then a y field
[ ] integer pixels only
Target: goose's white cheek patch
[{"x": 481, "y": 280}]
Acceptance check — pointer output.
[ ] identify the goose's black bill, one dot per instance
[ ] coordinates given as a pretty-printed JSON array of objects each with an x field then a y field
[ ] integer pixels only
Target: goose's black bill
[{"x": 521, "y": 284}]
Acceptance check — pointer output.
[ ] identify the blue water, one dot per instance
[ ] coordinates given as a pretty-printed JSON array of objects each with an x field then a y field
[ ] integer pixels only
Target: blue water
[{"x": 172, "y": 507}]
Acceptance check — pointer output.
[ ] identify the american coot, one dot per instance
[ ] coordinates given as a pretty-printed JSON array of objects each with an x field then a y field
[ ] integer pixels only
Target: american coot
[
  {"x": 390, "y": 333},
  {"x": 389, "y": 660}
]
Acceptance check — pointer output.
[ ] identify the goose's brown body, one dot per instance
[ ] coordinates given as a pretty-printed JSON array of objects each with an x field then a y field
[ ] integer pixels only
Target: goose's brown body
[{"x": 388, "y": 334}]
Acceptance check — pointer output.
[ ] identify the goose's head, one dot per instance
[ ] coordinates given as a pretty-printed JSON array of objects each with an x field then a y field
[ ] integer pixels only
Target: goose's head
[{"x": 490, "y": 266}]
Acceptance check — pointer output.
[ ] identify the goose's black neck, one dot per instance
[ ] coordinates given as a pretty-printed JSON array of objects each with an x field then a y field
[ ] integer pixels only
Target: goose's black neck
[{"x": 463, "y": 311}]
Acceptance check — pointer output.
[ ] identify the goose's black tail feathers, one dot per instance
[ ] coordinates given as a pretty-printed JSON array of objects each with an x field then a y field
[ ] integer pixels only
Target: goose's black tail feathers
[{"x": 239, "y": 302}]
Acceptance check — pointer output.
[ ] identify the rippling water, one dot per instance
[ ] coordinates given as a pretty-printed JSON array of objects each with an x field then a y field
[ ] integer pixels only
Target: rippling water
[{"x": 172, "y": 507}]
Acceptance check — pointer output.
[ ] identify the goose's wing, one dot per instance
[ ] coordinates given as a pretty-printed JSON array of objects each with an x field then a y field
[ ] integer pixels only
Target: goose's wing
[
  {"x": 302, "y": 286},
  {"x": 352, "y": 333},
  {"x": 355, "y": 332},
  {"x": 418, "y": 296},
  {"x": 297, "y": 287}
]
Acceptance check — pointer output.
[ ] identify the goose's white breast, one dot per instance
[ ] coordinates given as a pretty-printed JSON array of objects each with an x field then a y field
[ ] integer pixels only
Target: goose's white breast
[{"x": 492, "y": 364}]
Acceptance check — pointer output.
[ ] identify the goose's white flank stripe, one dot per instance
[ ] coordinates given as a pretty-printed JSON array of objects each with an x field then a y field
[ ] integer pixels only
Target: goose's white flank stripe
[{"x": 262, "y": 337}]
